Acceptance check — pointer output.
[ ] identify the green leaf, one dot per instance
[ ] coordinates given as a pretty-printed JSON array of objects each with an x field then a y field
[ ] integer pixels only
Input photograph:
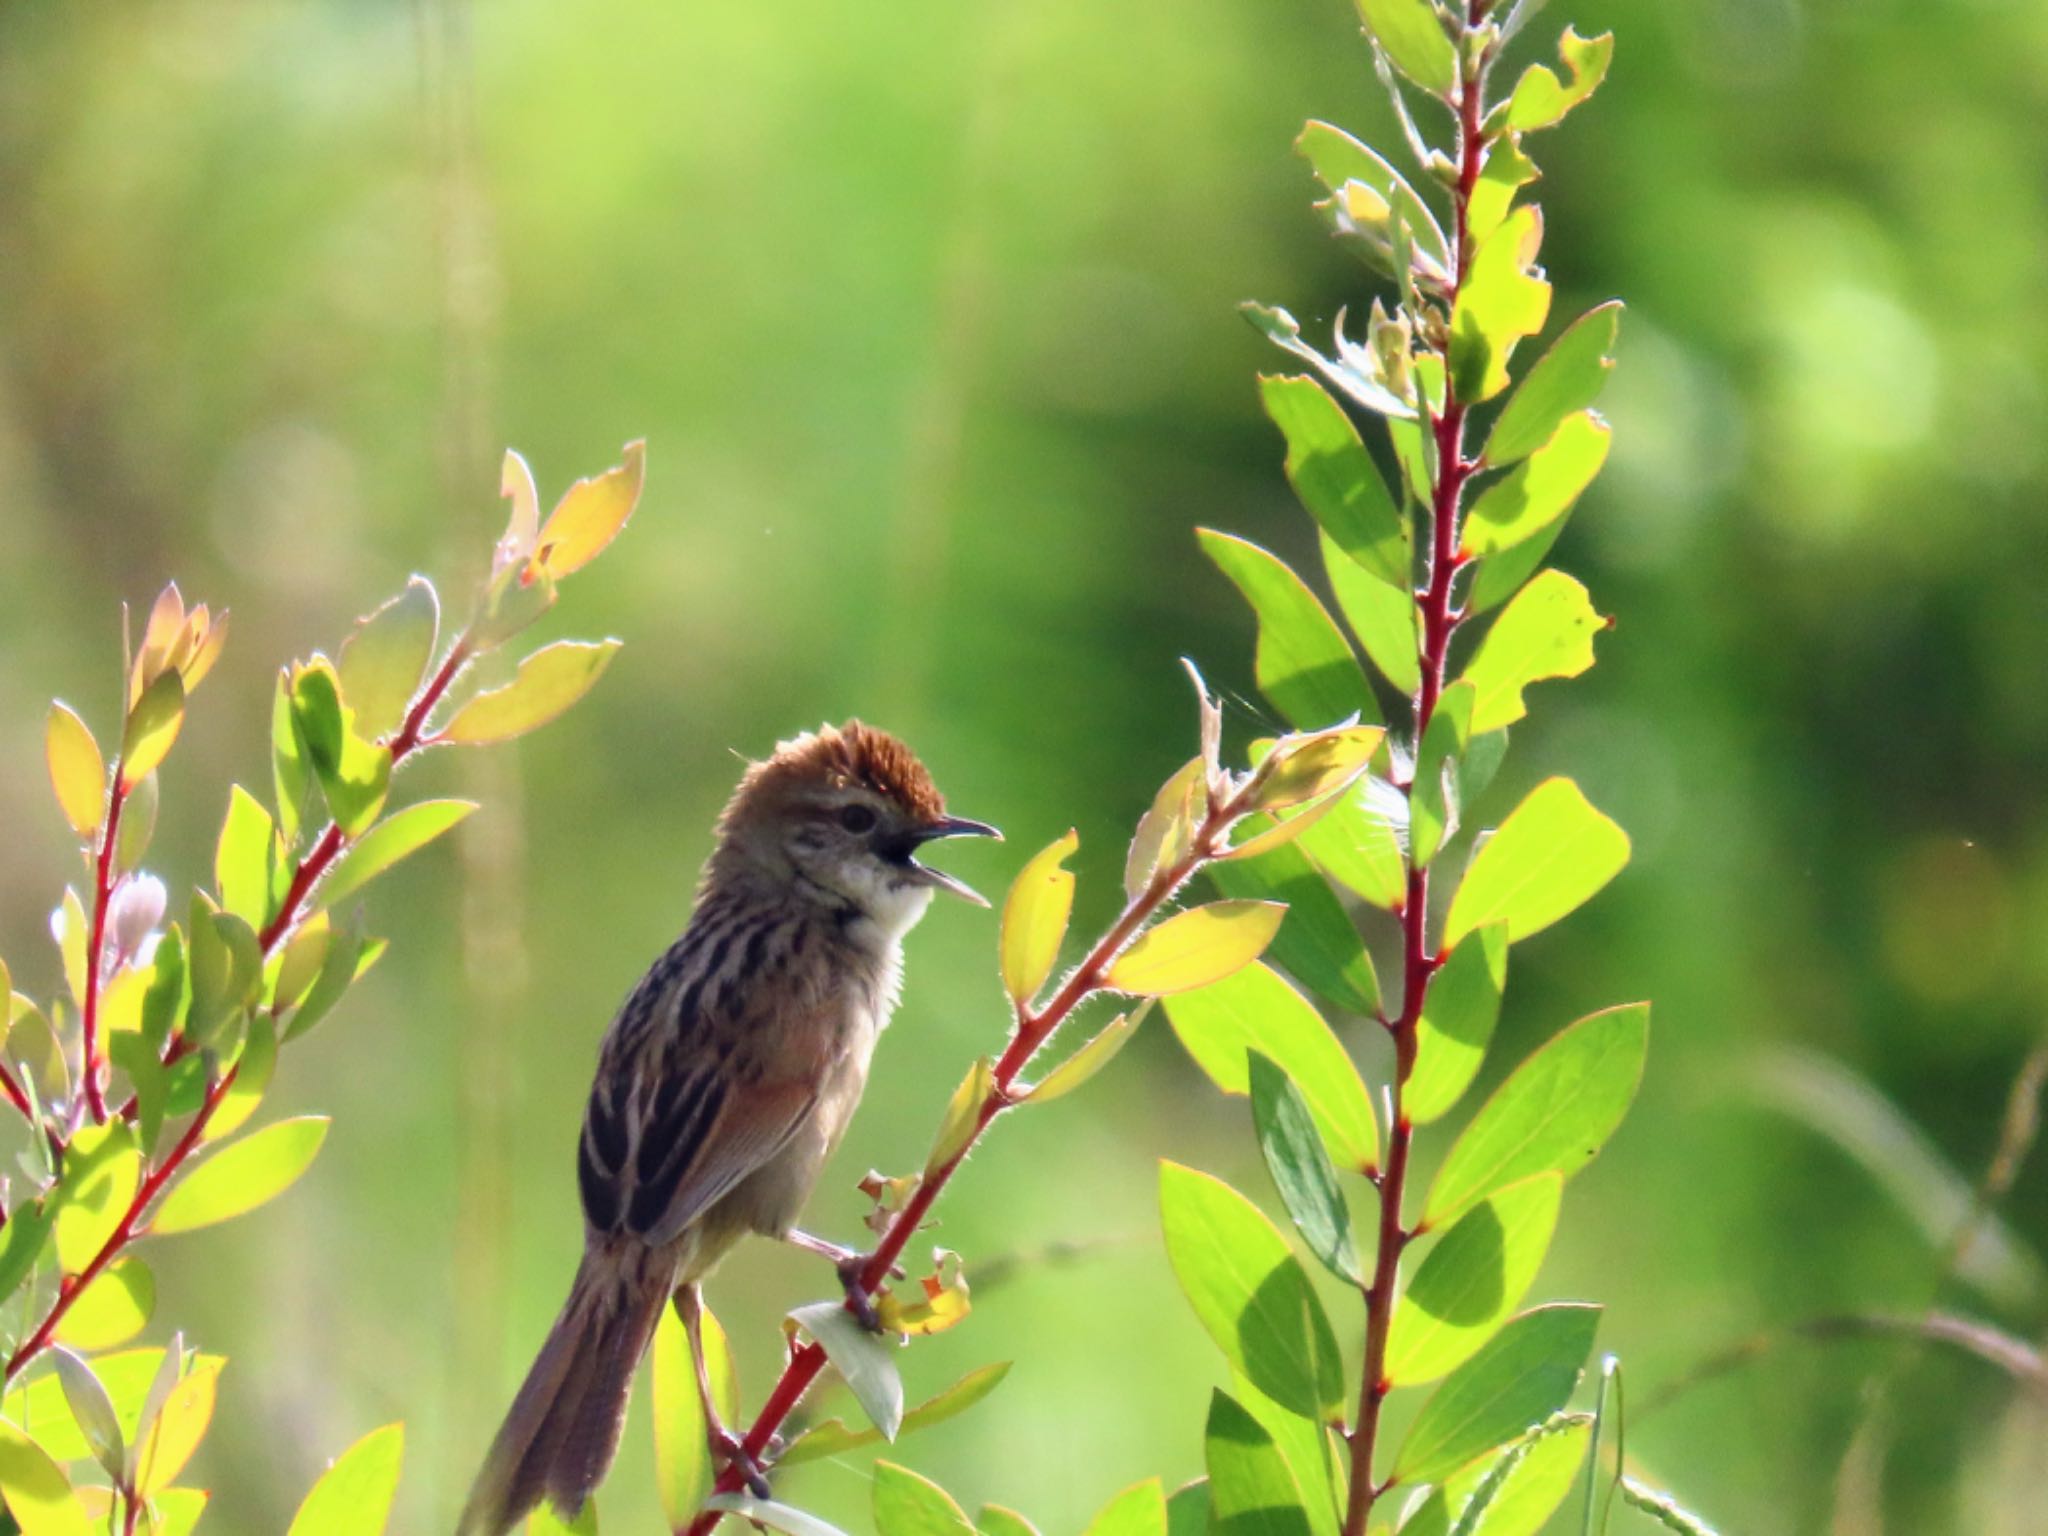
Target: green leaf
[
  {"x": 996, "y": 1520},
  {"x": 785, "y": 1518},
  {"x": 1358, "y": 844},
  {"x": 112, "y": 1309},
  {"x": 1501, "y": 301},
  {"x": 1540, "y": 490},
  {"x": 1337, "y": 158},
  {"x": 834, "y": 1435},
  {"x": 1335, "y": 477},
  {"x": 1187, "y": 1512},
  {"x": 166, "y": 1442},
  {"x": 242, "y": 1175},
  {"x": 253, "y": 1070},
  {"x": 1195, "y": 948},
  {"x": 1540, "y": 101},
  {"x": 1553, "y": 853},
  {"x": 225, "y": 965},
  {"x": 138, "y": 824},
  {"x": 908, "y": 1505},
  {"x": 1383, "y": 616},
  {"x": 289, "y": 771},
  {"x": 1566, "y": 379},
  {"x": 1317, "y": 1459},
  {"x": 246, "y": 862},
  {"x": 1472, "y": 1279},
  {"x": 77, "y": 771},
  {"x": 1499, "y": 577},
  {"x": 1525, "y": 1373},
  {"x": 35, "y": 1490},
  {"x": 547, "y": 1521},
  {"x": 1546, "y": 632},
  {"x": 1351, "y": 370},
  {"x": 866, "y": 1360},
  {"x": 1140, "y": 1510},
  {"x": 1458, "y": 1016},
  {"x": 1301, "y": 1168},
  {"x": 353, "y": 1496},
  {"x": 102, "y": 1170},
  {"x": 1035, "y": 919},
  {"x": 1250, "y": 1292},
  {"x": 963, "y": 1115},
  {"x": 92, "y": 1411},
  {"x": 1257, "y": 1011},
  {"x": 682, "y": 1465},
  {"x": 1433, "y": 799},
  {"x": 1304, "y": 664},
  {"x": 547, "y": 683},
  {"x": 343, "y": 962},
  {"x": 354, "y": 774},
  {"x": 1090, "y": 1059},
  {"x": 22, "y": 1242},
  {"x": 127, "y": 1375},
  {"x": 1316, "y": 943},
  {"x": 1251, "y": 1490},
  {"x": 397, "y": 836},
  {"x": 151, "y": 728},
  {"x": 1554, "y": 1112},
  {"x": 1512, "y": 1494},
  {"x": 1414, "y": 40},
  {"x": 590, "y": 514},
  {"x": 1506, "y": 171},
  {"x": 384, "y": 661}
]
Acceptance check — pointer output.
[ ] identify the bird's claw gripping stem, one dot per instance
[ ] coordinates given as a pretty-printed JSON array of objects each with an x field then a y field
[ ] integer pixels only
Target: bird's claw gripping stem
[
  {"x": 729, "y": 1448},
  {"x": 850, "y": 1270}
]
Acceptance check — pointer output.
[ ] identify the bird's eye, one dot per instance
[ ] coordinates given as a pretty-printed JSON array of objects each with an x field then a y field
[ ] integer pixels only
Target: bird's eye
[{"x": 857, "y": 818}]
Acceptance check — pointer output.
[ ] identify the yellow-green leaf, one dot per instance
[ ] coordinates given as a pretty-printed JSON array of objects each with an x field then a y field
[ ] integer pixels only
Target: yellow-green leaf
[
  {"x": 397, "y": 836},
  {"x": 112, "y": 1309},
  {"x": 547, "y": 683},
  {"x": 1196, "y": 947},
  {"x": 1303, "y": 662},
  {"x": 1539, "y": 490},
  {"x": 242, "y": 1175},
  {"x": 835, "y": 1436},
  {"x": 1414, "y": 39},
  {"x": 179, "y": 1427},
  {"x": 963, "y": 1115},
  {"x": 1552, "y": 854},
  {"x": 682, "y": 1468},
  {"x": 1546, "y": 631},
  {"x": 1541, "y": 101},
  {"x": 591, "y": 514},
  {"x": 383, "y": 662},
  {"x": 1035, "y": 919},
  {"x": 102, "y": 1170},
  {"x": 1091, "y": 1058},
  {"x": 152, "y": 727},
  {"x": 37, "y": 1493},
  {"x": 1501, "y": 300},
  {"x": 77, "y": 771},
  {"x": 353, "y": 1496}
]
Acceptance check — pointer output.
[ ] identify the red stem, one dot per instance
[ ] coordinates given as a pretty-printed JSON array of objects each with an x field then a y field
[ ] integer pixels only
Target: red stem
[
  {"x": 102, "y": 896},
  {"x": 1419, "y": 962},
  {"x": 1032, "y": 1032},
  {"x": 15, "y": 1096}
]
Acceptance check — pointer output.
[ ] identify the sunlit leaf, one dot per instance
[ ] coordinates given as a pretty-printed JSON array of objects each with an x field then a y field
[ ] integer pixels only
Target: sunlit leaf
[
  {"x": 1252, "y": 1491},
  {"x": 253, "y": 1070},
  {"x": 1187, "y": 1511},
  {"x": 1195, "y": 948},
  {"x": 291, "y": 776},
  {"x": 151, "y": 728},
  {"x": 178, "y": 1511},
  {"x": 1163, "y": 831},
  {"x": 224, "y": 965},
  {"x": 1472, "y": 1279},
  {"x": 102, "y": 1169},
  {"x": 1090, "y": 1058},
  {"x": 546, "y": 1520},
  {"x": 1506, "y": 171},
  {"x": 1540, "y": 490},
  {"x": 112, "y": 1309},
  {"x": 69, "y": 928},
  {"x": 1413, "y": 38},
  {"x": 1383, "y": 615},
  {"x": 160, "y": 632},
  {"x": 353, "y": 1496},
  {"x": 246, "y": 860},
  {"x": 353, "y": 773},
  {"x": 1358, "y": 844},
  {"x": 682, "y": 1466},
  {"x": 547, "y": 683},
  {"x": 1337, "y": 159},
  {"x": 1301, "y": 1168},
  {"x": 1249, "y": 1291},
  {"x": 1035, "y": 919},
  {"x": 36, "y": 1492},
  {"x": 1502, "y": 300},
  {"x": 1317, "y": 943},
  {"x": 1307, "y": 767},
  {"x": 908, "y": 1505},
  {"x": 834, "y": 1436},
  {"x": 92, "y": 1411},
  {"x": 963, "y": 1115},
  {"x": 866, "y": 1361},
  {"x": 346, "y": 957},
  {"x": 1566, "y": 379},
  {"x": 1514, "y": 1492},
  {"x": 1541, "y": 101},
  {"x": 1458, "y": 1016},
  {"x": 1525, "y": 1373},
  {"x": 1303, "y": 663},
  {"x": 77, "y": 771},
  {"x": 163, "y": 1449},
  {"x": 383, "y": 662},
  {"x": 1255, "y": 1010},
  {"x": 998, "y": 1520},
  {"x": 1546, "y": 631},
  {"x": 1139, "y": 1510},
  {"x": 21, "y": 1242},
  {"x": 1335, "y": 477},
  {"x": 522, "y": 529},
  {"x": 242, "y": 1175},
  {"x": 939, "y": 1301},
  {"x": 591, "y": 514},
  {"x": 396, "y": 837},
  {"x": 1554, "y": 1112},
  {"x": 1314, "y": 1455},
  {"x": 138, "y": 825},
  {"x": 1552, "y": 854}
]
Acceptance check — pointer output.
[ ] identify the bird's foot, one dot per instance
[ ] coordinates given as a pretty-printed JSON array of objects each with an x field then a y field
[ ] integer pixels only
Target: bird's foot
[
  {"x": 851, "y": 1267},
  {"x": 727, "y": 1447}
]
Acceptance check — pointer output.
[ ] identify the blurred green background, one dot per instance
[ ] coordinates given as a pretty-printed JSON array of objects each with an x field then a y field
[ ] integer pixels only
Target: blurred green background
[{"x": 926, "y": 312}]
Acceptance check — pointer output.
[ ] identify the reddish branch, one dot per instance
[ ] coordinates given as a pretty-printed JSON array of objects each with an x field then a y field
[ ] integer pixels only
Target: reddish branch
[
  {"x": 305, "y": 877},
  {"x": 1419, "y": 962},
  {"x": 102, "y": 898},
  {"x": 1034, "y": 1028}
]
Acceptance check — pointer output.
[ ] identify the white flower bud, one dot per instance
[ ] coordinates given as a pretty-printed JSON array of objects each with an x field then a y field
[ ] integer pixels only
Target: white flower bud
[{"x": 137, "y": 907}]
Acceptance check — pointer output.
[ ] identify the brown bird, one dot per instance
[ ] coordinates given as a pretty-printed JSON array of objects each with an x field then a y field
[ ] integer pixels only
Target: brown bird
[{"x": 724, "y": 1084}]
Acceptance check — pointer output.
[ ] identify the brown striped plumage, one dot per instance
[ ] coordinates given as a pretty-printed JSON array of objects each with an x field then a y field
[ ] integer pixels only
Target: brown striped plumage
[{"x": 726, "y": 1080}]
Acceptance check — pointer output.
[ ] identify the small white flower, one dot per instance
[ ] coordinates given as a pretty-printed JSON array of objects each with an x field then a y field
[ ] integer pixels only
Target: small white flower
[{"x": 133, "y": 914}]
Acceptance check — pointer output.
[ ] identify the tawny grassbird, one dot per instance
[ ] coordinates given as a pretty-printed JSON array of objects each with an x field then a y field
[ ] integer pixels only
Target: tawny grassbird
[{"x": 724, "y": 1083}]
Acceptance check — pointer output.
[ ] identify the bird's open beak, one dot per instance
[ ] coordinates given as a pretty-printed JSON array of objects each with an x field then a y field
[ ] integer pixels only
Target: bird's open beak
[{"x": 953, "y": 826}]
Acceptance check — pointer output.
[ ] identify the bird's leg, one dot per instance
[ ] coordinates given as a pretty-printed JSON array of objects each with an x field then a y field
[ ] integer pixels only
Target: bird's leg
[
  {"x": 850, "y": 1263},
  {"x": 725, "y": 1445}
]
